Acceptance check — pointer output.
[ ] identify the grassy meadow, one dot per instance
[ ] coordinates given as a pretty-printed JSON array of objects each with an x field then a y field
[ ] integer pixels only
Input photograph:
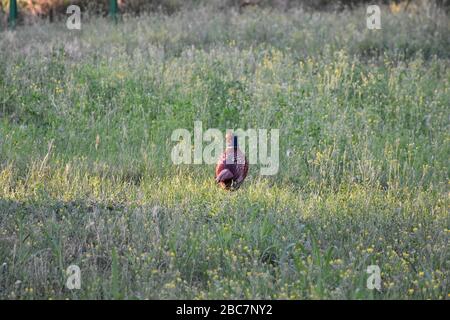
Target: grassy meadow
[{"x": 86, "y": 176}]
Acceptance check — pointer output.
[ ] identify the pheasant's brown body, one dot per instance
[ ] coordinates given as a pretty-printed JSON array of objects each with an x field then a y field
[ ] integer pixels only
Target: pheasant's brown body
[{"x": 232, "y": 167}]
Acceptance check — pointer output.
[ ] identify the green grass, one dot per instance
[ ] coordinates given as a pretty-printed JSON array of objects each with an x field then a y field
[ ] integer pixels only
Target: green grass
[{"x": 86, "y": 176}]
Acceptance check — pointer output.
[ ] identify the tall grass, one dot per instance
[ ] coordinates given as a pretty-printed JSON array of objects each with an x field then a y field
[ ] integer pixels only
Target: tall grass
[{"x": 86, "y": 176}]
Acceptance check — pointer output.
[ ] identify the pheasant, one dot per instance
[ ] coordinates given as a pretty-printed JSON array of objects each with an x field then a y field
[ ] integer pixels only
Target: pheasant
[{"x": 232, "y": 167}]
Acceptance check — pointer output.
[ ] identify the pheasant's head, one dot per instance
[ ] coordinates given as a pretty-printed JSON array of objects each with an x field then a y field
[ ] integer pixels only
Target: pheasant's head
[{"x": 231, "y": 139}]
